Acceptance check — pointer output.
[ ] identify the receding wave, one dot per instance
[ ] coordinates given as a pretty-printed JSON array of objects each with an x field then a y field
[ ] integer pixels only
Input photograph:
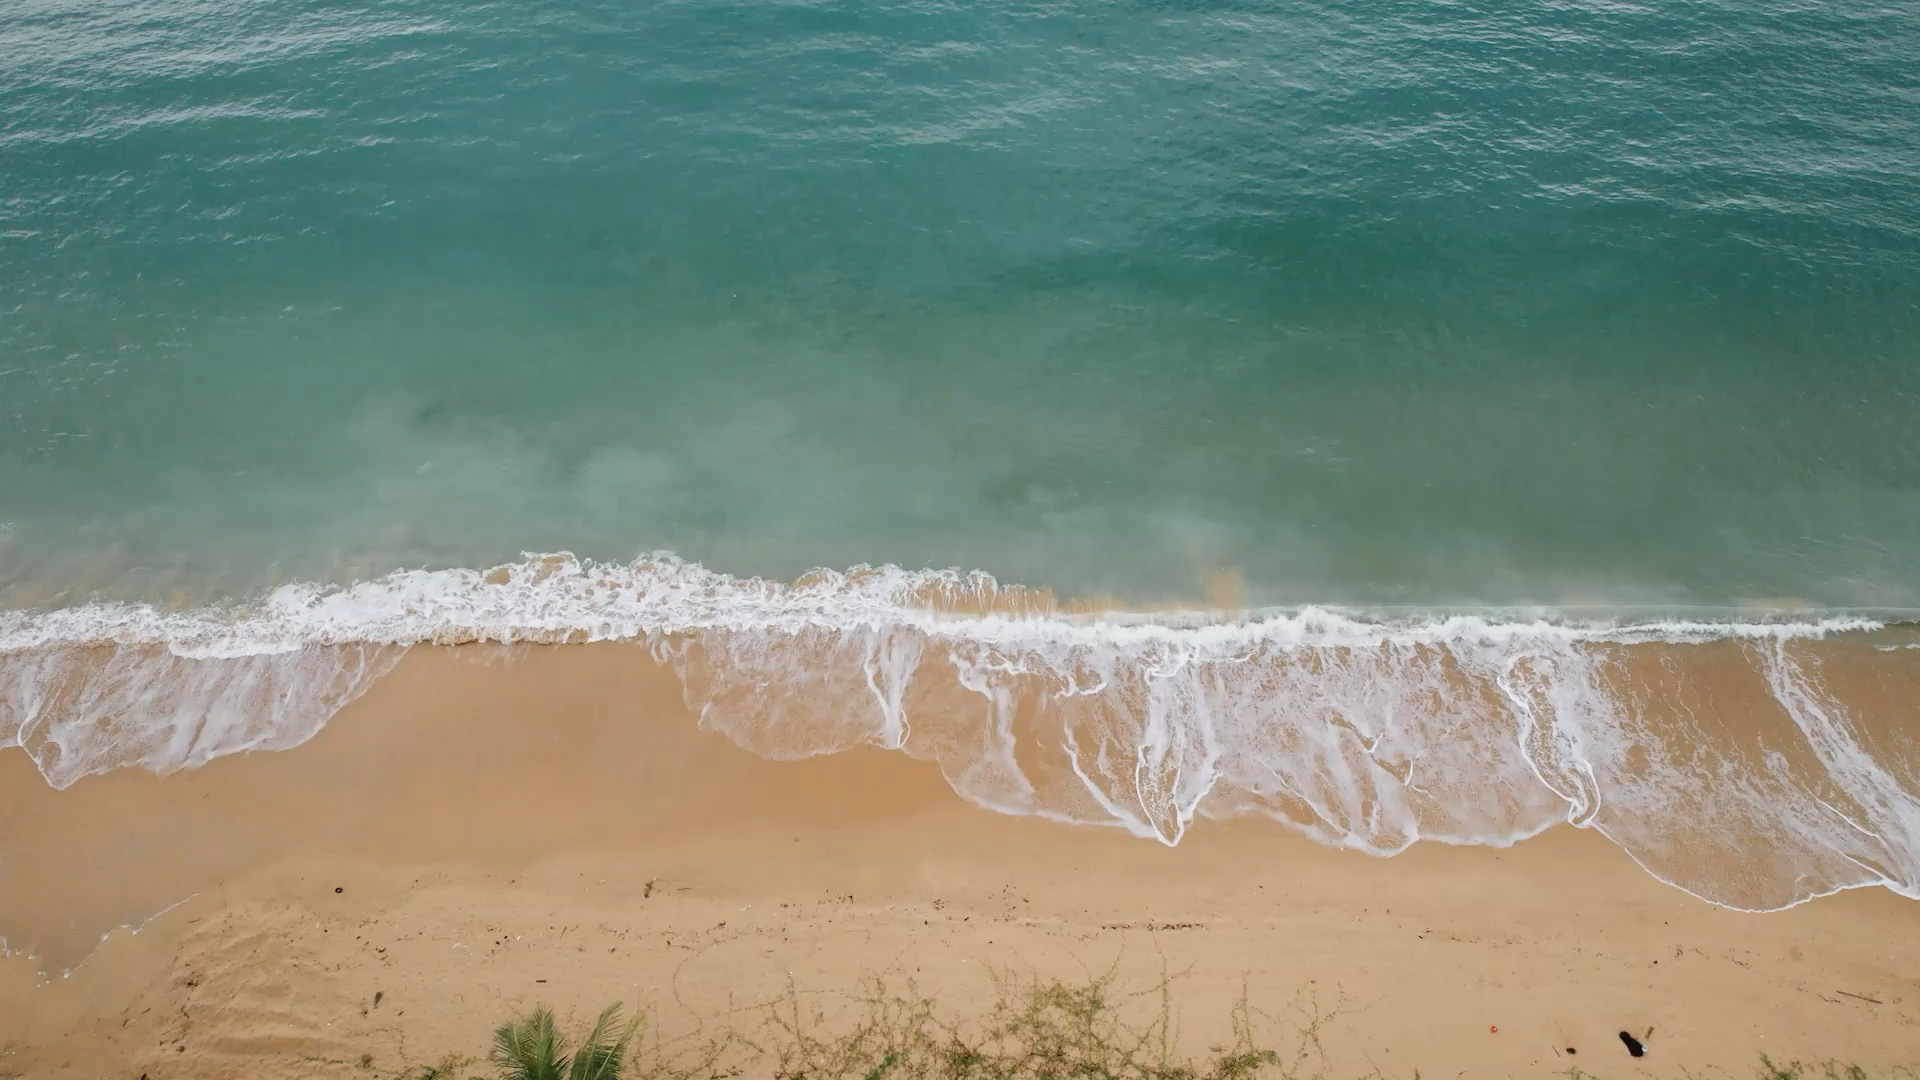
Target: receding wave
[{"x": 1755, "y": 764}]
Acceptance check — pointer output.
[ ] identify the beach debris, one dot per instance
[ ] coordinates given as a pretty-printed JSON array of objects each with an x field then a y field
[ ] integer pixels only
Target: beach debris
[
  {"x": 1634, "y": 1048},
  {"x": 1571, "y": 1050},
  {"x": 337, "y": 890},
  {"x": 1493, "y": 1029},
  {"x": 377, "y": 995},
  {"x": 1859, "y": 997}
]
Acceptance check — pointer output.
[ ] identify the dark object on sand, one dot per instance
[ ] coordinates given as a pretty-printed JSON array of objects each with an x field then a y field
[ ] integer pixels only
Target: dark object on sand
[
  {"x": 338, "y": 889},
  {"x": 1634, "y": 1049}
]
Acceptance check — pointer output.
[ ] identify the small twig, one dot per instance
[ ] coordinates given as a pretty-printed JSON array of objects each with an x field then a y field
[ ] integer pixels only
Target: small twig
[{"x": 1861, "y": 997}]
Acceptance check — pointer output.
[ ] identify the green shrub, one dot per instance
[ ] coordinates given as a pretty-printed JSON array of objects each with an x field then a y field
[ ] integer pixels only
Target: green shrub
[{"x": 531, "y": 1048}]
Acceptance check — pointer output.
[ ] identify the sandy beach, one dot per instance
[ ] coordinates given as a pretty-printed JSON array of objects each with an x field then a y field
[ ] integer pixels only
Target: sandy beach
[{"x": 482, "y": 833}]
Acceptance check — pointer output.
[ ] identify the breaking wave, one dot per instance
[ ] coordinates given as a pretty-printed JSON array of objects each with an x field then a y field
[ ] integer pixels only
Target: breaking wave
[{"x": 1754, "y": 764}]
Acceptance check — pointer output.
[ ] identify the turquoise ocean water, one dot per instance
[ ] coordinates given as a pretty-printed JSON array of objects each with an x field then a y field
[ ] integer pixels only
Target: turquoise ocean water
[
  {"x": 1540, "y": 317},
  {"x": 1420, "y": 303}
]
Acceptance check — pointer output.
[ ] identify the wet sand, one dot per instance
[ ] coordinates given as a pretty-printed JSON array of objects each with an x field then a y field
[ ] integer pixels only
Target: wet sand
[{"x": 476, "y": 836}]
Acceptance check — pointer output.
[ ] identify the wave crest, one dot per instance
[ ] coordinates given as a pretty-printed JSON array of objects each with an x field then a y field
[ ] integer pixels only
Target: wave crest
[{"x": 1721, "y": 755}]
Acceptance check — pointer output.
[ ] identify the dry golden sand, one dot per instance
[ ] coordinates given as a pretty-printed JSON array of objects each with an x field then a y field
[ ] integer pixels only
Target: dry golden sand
[{"x": 473, "y": 838}]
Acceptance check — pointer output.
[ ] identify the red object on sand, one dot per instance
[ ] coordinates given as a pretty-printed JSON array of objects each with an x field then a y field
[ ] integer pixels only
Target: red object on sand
[{"x": 1493, "y": 1029}]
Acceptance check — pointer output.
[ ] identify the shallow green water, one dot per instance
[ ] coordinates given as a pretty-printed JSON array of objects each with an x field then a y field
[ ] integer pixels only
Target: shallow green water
[{"x": 1448, "y": 304}]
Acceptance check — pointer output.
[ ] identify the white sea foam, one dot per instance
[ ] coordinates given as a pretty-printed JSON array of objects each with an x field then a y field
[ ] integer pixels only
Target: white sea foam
[{"x": 1363, "y": 733}]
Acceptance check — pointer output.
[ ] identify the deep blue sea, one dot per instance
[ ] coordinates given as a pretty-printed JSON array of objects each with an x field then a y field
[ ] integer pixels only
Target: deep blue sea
[{"x": 1474, "y": 323}]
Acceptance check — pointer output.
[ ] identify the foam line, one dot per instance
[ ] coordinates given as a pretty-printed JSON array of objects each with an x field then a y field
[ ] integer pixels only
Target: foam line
[{"x": 1314, "y": 717}]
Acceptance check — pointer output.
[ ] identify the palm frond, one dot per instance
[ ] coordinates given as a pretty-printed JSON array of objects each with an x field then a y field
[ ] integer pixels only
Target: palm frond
[
  {"x": 603, "y": 1055},
  {"x": 530, "y": 1048}
]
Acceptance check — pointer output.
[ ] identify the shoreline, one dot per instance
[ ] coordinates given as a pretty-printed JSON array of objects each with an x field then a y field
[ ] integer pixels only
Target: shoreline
[
  {"x": 1754, "y": 767},
  {"x": 470, "y": 796}
]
